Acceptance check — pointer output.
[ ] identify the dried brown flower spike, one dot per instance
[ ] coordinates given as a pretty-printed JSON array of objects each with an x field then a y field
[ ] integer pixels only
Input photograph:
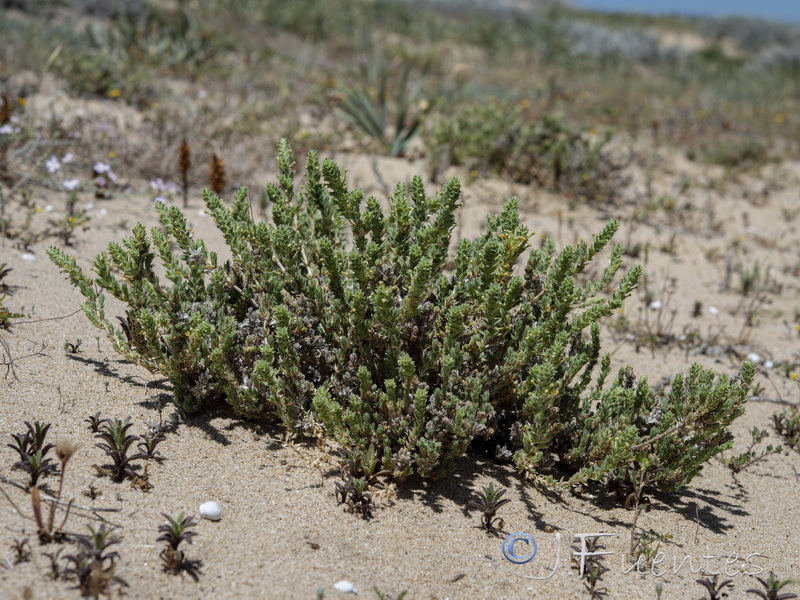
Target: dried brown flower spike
[
  {"x": 216, "y": 174},
  {"x": 5, "y": 109},
  {"x": 184, "y": 164}
]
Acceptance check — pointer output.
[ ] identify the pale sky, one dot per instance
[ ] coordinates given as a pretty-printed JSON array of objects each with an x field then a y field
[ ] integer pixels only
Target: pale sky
[{"x": 776, "y": 10}]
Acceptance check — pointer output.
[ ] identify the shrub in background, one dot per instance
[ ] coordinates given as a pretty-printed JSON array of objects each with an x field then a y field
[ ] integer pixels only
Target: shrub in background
[
  {"x": 498, "y": 139},
  {"x": 344, "y": 315}
]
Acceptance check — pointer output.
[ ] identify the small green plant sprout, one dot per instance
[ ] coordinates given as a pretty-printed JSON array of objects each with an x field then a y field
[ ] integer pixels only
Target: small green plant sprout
[
  {"x": 5, "y": 314},
  {"x": 787, "y": 425},
  {"x": 47, "y": 531},
  {"x": 175, "y": 531},
  {"x": 93, "y": 567},
  {"x": 21, "y": 548},
  {"x": 73, "y": 347},
  {"x": 116, "y": 442},
  {"x": 772, "y": 588},
  {"x": 55, "y": 572},
  {"x": 659, "y": 590},
  {"x": 490, "y": 500},
  {"x": 148, "y": 443},
  {"x": 386, "y": 596},
  {"x": 749, "y": 457},
  {"x": 94, "y": 422},
  {"x": 648, "y": 543},
  {"x": 32, "y": 451},
  {"x": 363, "y": 463},
  {"x": 354, "y": 494},
  {"x": 588, "y": 561},
  {"x": 715, "y": 587}
]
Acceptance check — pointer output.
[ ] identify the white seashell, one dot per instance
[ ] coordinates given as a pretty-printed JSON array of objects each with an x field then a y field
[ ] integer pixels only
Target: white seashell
[
  {"x": 345, "y": 586},
  {"x": 210, "y": 511},
  {"x": 754, "y": 358}
]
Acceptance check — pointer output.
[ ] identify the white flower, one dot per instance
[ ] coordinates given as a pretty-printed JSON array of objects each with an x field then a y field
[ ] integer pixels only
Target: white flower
[
  {"x": 754, "y": 357},
  {"x": 101, "y": 167},
  {"x": 52, "y": 165},
  {"x": 656, "y": 305},
  {"x": 71, "y": 184},
  {"x": 713, "y": 311},
  {"x": 101, "y": 181},
  {"x": 160, "y": 199},
  {"x": 68, "y": 158},
  {"x": 6, "y": 129},
  {"x": 49, "y": 208},
  {"x": 768, "y": 364}
]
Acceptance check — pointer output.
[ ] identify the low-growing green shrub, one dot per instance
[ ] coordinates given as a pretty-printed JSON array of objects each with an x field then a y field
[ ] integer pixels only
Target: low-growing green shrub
[
  {"x": 342, "y": 315},
  {"x": 494, "y": 138}
]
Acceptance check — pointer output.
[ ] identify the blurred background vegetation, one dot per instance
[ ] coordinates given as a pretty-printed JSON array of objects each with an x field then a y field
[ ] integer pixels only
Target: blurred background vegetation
[{"x": 391, "y": 76}]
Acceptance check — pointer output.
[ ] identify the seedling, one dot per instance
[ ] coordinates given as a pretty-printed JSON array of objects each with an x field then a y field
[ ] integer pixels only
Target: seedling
[
  {"x": 749, "y": 457},
  {"x": 354, "y": 493},
  {"x": 591, "y": 570},
  {"x": 22, "y": 550},
  {"x": 489, "y": 503},
  {"x": 363, "y": 463},
  {"x": 93, "y": 567},
  {"x": 33, "y": 451},
  {"x": 116, "y": 443},
  {"x": 772, "y": 588},
  {"x": 175, "y": 531},
  {"x": 46, "y": 526},
  {"x": 55, "y": 571},
  {"x": 386, "y": 596},
  {"x": 787, "y": 425},
  {"x": 94, "y": 422},
  {"x": 73, "y": 347},
  {"x": 714, "y": 587},
  {"x": 148, "y": 446}
]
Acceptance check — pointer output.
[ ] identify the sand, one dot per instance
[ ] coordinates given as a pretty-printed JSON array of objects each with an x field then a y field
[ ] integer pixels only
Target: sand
[{"x": 282, "y": 534}]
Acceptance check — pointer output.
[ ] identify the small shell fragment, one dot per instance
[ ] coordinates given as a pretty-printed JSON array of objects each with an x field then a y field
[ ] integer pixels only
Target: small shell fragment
[
  {"x": 210, "y": 511},
  {"x": 345, "y": 586}
]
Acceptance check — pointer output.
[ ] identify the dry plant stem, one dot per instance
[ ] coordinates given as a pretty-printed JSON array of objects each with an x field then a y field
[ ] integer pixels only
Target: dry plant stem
[
  {"x": 638, "y": 493},
  {"x": 51, "y": 499}
]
